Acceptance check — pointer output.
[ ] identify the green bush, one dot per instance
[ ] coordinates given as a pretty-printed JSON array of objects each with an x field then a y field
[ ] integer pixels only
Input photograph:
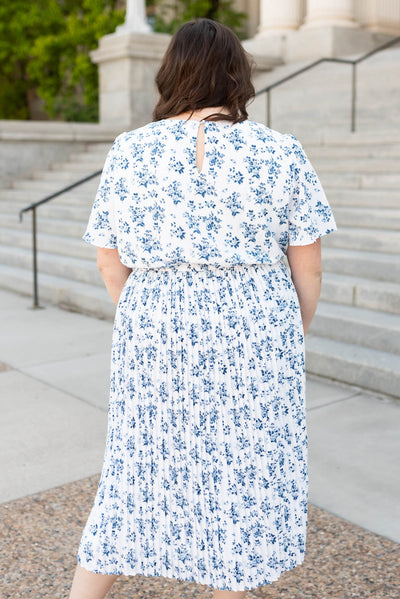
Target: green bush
[
  {"x": 21, "y": 23},
  {"x": 169, "y": 17},
  {"x": 45, "y": 47}
]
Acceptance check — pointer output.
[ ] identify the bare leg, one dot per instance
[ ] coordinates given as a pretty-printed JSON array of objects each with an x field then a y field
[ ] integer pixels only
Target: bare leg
[
  {"x": 229, "y": 594},
  {"x": 87, "y": 585}
]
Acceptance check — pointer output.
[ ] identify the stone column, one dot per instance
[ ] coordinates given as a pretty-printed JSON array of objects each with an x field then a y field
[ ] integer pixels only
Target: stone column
[
  {"x": 329, "y": 13},
  {"x": 279, "y": 16},
  {"x": 381, "y": 16},
  {"x": 135, "y": 19},
  {"x": 332, "y": 28}
]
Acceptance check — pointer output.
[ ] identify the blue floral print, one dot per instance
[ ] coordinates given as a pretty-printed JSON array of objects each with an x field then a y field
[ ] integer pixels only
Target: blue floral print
[
  {"x": 205, "y": 473},
  {"x": 256, "y": 193}
]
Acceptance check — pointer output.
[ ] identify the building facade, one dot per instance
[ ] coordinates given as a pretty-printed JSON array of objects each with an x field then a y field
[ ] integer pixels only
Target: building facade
[
  {"x": 272, "y": 16},
  {"x": 308, "y": 29},
  {"x": 279, "y": 31}
]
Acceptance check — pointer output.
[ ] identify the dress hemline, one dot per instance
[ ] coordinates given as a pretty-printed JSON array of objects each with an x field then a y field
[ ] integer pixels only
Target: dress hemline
[{"x": 200, "y": 580}]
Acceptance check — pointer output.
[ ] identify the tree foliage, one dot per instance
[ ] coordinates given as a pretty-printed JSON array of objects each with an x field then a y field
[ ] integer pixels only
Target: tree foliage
[
  {"x": 45, "y": 46},
  {"x": 168, "y": 17}
]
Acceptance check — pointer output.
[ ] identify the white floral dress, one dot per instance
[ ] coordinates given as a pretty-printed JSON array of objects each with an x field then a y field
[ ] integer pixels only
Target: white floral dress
[{"x": 205, "y": 473}]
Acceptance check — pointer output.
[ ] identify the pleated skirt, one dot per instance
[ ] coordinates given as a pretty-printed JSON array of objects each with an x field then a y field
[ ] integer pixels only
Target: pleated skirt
[{"x": 205, "y": 473}]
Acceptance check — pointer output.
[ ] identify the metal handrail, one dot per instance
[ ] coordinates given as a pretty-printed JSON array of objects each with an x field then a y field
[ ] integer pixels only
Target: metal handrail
[
  {"x": 353, "y": 62},
  {"x": 267, "y": 90},
  {"x": 32, "y": 208}
]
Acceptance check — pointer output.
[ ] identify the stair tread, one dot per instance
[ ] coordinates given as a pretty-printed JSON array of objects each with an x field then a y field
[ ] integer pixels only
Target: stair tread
[
  {"x": 365, "y": 230},
  {"x": 352, "y": 280},
  {"x": 350, "y": 352},
  {"x": 369, "y": 210},
  {"x": 57, "y": 282},
  {"x": 348, "y": 254},
  {"x": 9, "y": 208},
  {"x": 366, "y": 316},
  {"x": 68, "y": 260},
  {"x": 50, "y": 236},
  {"x": 44, "y": 219}
]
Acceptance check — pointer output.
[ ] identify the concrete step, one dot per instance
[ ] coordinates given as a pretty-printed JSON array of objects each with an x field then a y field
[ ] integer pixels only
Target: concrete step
[
  {"x": 78, "y": 167},
  {"x": 389, "y": 198},
  {"x": 361, "y": 292},
  {"x": 69, "y": 267},
  {"x": 374, "y": 218},
  {"x": 316, "y": 151},
  {"x": 372, "y": 240},
  {"x": 56, "y": 244},
  {"x": 379, "y": 138},
  {"x": 357, "y": 165},
  {"x": 99, "y": 147},
  {"x": 47, "y": 187},
  {"x": 360, "y": 326},
  {"x": 370, "y": 265},
  {"x": 64, "y": 176},
  {"x": 349, "y": 363},
  {"x": 380, "y": 182},
  {"x": 49, "y": 210},
  {"x": 68, "y": 294},
  {"x": 92, "y": 156},
  {"x": 27, "y": 196},
  {"x": 63, "y": 227}
]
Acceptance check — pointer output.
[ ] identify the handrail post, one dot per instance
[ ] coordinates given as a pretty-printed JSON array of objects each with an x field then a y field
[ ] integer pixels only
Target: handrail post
[
  {"x": 33, "y": 207},
  {"x": 353, "y": 97},
  {"x": 35, "y": 282}
]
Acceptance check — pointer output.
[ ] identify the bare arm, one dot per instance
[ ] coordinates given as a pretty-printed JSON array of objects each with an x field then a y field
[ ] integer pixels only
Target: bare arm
[
  {"x": 306, "y": 272},
  {"x": 112, "y": 270}
]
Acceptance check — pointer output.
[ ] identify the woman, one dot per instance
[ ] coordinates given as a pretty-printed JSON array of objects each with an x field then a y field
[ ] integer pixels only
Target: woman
[{"x": 205, "y": 469}]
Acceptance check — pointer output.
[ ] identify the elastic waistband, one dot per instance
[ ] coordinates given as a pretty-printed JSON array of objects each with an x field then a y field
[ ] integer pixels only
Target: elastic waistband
[{"x": 198, "y": 266}]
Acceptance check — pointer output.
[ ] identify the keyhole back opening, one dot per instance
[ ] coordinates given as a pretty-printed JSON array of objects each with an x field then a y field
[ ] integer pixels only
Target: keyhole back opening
[{"x": 200, "y": 147}]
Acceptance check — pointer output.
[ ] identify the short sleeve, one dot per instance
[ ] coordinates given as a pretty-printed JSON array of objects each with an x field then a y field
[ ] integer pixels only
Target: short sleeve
[
  {"x": 101, "y": 229},
  {"x": 309, "y": 215}
]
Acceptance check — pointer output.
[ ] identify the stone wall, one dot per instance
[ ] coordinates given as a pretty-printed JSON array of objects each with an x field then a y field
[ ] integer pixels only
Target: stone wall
[{"x": 26, "y": 146}]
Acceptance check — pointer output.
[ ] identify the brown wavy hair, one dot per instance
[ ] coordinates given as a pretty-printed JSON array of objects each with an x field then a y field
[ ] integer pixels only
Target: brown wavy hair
[{"x": 204, "y": 65}]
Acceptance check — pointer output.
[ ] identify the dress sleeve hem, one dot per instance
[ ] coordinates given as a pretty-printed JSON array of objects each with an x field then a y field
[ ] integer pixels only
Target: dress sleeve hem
[
  {"x": 99, "y": 242},
  {"x": 309, "y": 239}
]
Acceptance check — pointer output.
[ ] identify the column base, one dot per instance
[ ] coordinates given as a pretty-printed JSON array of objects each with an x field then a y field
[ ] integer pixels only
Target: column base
[
  {"x": 330, "y": 42},
  {"x": 266, "y": 46},
  {"x": 128, "y": 63},
  {"x": 329, "y": 23},
  {"x": 315, "y": 42},
  {"x": 134, "y": 28}
]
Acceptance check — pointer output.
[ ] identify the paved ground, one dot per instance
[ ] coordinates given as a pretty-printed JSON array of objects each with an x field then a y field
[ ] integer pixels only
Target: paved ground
[
  {"x": 42, "y": 532},
  {"x": 54, "y": 383}
]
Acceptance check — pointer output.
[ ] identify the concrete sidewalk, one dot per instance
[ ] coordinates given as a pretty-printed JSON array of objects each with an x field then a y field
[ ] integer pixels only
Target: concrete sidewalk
[{"x": 54, "y": 384}]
